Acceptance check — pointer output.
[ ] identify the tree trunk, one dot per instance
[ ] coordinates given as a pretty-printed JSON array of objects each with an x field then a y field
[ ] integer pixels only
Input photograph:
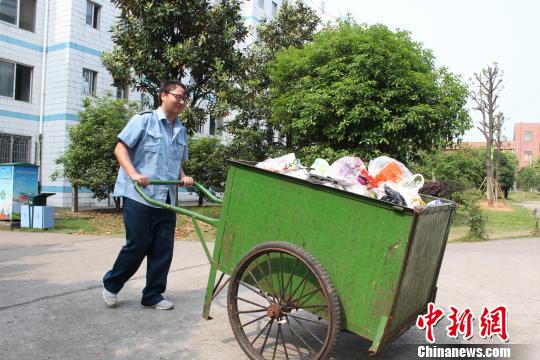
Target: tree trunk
[
  {"x": 201, "y": 200},
  {"x": 269, "y": 135},
  {"x": 75, "y": 199},
  {"x": 497, "y": 175},
  {"x": 116, "y": 203},
  {"x": 489, "y": 175}
]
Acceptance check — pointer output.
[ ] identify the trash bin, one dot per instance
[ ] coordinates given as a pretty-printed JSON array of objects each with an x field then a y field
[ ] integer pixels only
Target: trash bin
[
  {"x": 39, "y": 199},
  {"x": 35, "y": 214}
]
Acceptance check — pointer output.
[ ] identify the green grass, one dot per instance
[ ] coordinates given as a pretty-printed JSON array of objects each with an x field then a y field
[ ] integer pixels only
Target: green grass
[
  {"x": 68, "y": 226},
  {"x": 499, "y": 225},
  {"x": 519, "y": 196},
  {"x": 110, "y": 223}
]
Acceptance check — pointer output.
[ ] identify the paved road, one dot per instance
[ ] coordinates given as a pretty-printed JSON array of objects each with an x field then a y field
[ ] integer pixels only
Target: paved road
[
  {"x": 51, "y": 307},
  {"x": 531, "y": 205}
]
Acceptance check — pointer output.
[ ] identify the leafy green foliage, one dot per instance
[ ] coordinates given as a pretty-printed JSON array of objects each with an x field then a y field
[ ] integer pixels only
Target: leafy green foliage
[
  {"x": 529, "y": 178},
  {"x": 207, "y": 162},
  {"x": 508, "y": 165},
  {"x": 461, "y": 169},
  {"x": 156, "y": 41},
  {"x": 293, "y": 26},
  {"x": 470, "y": 199},
  {"x": 89, "y": 160},
  {"x": 465, "y": 168},
  {"x": 368, "y": 91}
]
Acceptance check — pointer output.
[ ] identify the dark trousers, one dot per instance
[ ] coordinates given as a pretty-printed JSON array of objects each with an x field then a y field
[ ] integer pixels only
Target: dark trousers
[{"x": 150, "y": 233}]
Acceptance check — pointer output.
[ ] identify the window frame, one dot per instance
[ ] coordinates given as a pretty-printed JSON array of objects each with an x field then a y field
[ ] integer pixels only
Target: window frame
[
  {"x": 15, "y": 64},
  {"x": 18, "y": 20},
  {"x": 17, "y": 15},
  {"x": 94, "y": 15},
  {"x": 123, "y": 89},
  {"x": 274, "y": 8},
  {"x": 93, "y": 84},
  {"x": 525, "y": 138},
  {"x": 12, "y": 138}
]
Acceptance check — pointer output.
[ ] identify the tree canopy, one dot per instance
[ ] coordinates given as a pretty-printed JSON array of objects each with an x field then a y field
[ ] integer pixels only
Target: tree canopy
[
  {"x": 368, "y": 91},
  {"x": 89, "y": 160},
  {"x": 195, "y": 40},
  {"x": 293, "y": 26}
]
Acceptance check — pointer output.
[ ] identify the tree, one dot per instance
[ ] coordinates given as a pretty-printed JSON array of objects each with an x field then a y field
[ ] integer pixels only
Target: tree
[
  {"x": 498, "y": 138},
  {"x": 207, "y": 163},
  {"x": 465, "y": 168},
  {"x": 293, "y": 26},
  {"x": 89, "y": 160},
  {"x": 528, "y": 178},
  {"x": 507, "y": 170},
  {"x": 461, "y": 169},
  {"x": 488, "y": 83},
  {"x": 368, "y": 91},
  {"x": 194, "y": 41}
]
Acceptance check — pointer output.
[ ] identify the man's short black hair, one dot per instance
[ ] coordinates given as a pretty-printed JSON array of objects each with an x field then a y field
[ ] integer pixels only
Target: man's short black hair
[{"x": 169, "y": 86}]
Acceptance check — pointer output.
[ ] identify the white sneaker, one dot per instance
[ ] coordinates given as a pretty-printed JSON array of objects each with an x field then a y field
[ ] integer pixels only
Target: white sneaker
[
  {"x": 162, "y": 305},
  {"x": 111, "y": 299}
]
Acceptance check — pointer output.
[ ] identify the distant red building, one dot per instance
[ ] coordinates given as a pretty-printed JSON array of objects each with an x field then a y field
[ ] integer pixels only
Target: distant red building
[
  {"x": 526, "y": 143},
  {"x": 505, "y": 146}
]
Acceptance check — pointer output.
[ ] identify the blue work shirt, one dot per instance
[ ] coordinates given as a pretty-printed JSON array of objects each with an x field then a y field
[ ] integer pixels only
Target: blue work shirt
[{"x": 156, "y": 150}]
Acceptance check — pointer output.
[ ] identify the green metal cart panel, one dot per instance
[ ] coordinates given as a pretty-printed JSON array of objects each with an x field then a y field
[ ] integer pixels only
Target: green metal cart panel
[{"x": 363, "y": 243}]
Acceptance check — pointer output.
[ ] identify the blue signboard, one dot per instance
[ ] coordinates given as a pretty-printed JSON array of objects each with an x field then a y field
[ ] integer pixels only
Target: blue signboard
[{"x": 18, "y": 182}]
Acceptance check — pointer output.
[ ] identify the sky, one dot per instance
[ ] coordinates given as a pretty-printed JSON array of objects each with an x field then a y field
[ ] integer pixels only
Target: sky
[{"x": 466, "y": 36}]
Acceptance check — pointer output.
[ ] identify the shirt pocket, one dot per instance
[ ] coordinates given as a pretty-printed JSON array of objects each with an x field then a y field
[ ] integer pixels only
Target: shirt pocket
[
  {"x": 178, "y": 148},
  {"x": 153, "y": 142}
]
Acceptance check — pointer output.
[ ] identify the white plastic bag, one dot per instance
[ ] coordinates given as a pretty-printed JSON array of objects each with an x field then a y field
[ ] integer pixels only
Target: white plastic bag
[
  {"x": 346, "y": 168},
  {"x": 358, "y": 189},
  {"x": 408, "y": 188},
  {"x": 320, "y": 167},
  {"x": 300, "y": 173},
  {"x": 279, "y": 164},
  {"x": 384, "y": 168}
]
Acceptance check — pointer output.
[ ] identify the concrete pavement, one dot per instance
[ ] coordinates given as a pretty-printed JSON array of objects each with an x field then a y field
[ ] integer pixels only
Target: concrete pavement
[{"x": 51, "y": 306}]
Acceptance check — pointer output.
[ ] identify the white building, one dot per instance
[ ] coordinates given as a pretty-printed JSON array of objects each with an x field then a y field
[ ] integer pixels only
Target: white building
[{"x": 49, "y": 61}]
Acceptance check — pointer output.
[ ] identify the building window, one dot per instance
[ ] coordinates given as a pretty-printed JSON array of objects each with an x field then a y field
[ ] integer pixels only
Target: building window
[
  {"x": 216, "y": 126},
  {"x": 528, "y": 156},
  {"x": 14, "y": 148},
  {"x": 261, "y": 4},
  {"x": 15, "y": 80},
  {"x": 199, "y": 126},
  {"x": 146, "y": 102},
  {"x": 21, "y": 13},
  {"x": 219, "y": 126},
  {"x": 92, "y": 14},
  {"x": 274, "y": 8},
  {"x": 122, "y": 91},
  {"x": 89, "y": 82},
  {"x": 528, "y": 136}
]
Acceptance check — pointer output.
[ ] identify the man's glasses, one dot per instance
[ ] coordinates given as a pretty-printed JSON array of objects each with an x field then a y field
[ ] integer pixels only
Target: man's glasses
[{"x": 179, "y": 97}]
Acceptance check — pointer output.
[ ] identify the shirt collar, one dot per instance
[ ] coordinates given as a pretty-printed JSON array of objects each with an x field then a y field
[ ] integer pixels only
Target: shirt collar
[
  {"x": 177, "y": 123},
  {"x": 161, "y": 114}
]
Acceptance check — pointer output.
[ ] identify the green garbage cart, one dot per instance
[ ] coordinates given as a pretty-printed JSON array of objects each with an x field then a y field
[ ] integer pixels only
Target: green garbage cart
[{"x": 305, "y": 260}]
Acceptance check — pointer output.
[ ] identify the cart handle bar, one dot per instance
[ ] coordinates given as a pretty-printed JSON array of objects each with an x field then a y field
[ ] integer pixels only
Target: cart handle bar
[{"x": 194, "y": 215}]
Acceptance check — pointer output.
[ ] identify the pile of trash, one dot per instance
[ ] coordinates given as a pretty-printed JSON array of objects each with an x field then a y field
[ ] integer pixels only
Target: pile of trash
[{"x": 384, "y": 178}]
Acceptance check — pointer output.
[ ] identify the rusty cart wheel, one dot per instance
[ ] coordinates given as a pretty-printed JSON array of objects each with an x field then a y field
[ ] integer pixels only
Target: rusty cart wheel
[{"x": 282, "y": 304}]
